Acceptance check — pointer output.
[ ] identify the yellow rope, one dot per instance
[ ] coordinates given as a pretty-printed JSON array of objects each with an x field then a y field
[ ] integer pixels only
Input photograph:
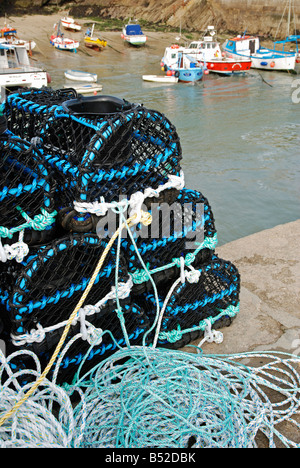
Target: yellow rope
[{"x": 146, "y": 220}]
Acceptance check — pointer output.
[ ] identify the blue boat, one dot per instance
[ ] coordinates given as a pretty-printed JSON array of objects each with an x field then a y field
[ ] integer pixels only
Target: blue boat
[
  {"x": 183, "y": 66},
  {"x": 262, "y": 58}
]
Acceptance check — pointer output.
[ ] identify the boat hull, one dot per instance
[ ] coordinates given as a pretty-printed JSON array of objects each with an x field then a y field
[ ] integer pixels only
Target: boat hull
[
  {"x": 264, "y": 59},
  {"x": 271, "y": 63},
  {"x": 30, "y": 79},
  {"x": 70, "y": 25},
  {"x": 64, "y": 44},
  {"x": 190, "y": 75},
  {"x": 229, "y": 66},
  {"x": 96, "y": 44},
  {"x": 160, "y": 79},
  {"x": 136, "y": 41},
  {"x": 78, "y": 75},
  {"x": 91, "y": 88}
]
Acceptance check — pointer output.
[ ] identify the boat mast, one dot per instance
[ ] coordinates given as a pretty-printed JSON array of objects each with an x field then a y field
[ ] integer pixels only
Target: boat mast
[{"x": 289, "y": 17}]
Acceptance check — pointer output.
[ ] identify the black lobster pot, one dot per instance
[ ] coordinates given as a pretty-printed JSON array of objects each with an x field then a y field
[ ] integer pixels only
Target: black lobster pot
[
  {"x": 100, "y": 147},
  {"x": 213, "y": 297},
  {"x": 27, "y": 191}
]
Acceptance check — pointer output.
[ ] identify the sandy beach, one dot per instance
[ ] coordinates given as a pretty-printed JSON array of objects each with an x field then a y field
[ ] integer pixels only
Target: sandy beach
[{"x": 40, "y": 27}]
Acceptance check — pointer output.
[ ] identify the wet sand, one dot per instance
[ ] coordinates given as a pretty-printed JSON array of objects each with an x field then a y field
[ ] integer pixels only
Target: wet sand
[{"x": 39, "y": 28}]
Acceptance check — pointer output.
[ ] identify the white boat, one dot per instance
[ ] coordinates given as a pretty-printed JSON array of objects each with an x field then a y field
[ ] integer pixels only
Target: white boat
[
  {"x": 79, "y": 75},
  {"x": 133, "y": 35},
  {"x": 60, "y": 42},
  {"x": 262, "y": 58},
  {"x": 16, "y": 70},
  {"x": 70, "y": 24},
  {"x": 83, "y": 88},
  {"x": 160, "y": 78},
  {"x": 9, "y": 36}
]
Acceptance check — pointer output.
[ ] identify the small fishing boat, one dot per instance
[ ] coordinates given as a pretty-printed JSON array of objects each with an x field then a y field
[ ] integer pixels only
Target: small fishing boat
[
  {"x": 16, "y": 70},
  {"x": 79, "y": 75},
  {"x": 62, "y": 43},
  {"x": 9, "y": 36},
  {"x": 160, "y": 79},
  {"x": 70, "y": 24},
  {"x": 184, "y": 67},
  {"x": 94, "y": 42},
  {"x": 86, "y": 88},
  {"x": 262, "y": 58},
  {"x": 228, "y": 66},
  {"x": 133, "y": 35}
]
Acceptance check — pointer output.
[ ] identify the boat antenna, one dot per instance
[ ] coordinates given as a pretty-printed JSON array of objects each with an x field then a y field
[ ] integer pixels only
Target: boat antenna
[{"x": 244, "y": 33}]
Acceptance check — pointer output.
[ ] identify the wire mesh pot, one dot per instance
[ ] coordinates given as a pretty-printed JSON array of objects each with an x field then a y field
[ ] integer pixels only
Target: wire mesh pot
[
  {"x": 39, "y": 294},
  {"x": 184, "y": 228},
  {"x": 27, "y": 191},
  {"x": 211, "y": 294}
]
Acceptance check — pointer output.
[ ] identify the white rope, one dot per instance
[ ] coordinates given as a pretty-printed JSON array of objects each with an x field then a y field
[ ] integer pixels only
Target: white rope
[
  {"x": 211, "y": 336},
  {"x": 39, "y": 334},
  {"x": 100, "y": 208},
  {"x": 18, "y": 251}
]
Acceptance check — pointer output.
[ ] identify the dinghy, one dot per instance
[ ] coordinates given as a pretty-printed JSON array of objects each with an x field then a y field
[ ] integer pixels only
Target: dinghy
[
  {"x": 79, "y": 75},
  {"x": 86, "y": 88},
  {"x": 160, "y": 79}
]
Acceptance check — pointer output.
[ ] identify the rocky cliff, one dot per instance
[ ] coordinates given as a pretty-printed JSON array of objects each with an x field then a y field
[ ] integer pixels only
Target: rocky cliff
[{"x": 229, "y": 16}]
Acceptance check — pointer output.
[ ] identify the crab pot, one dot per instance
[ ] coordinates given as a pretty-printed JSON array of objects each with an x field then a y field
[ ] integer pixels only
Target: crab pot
[
  {"x": 3, "y": 124},
  {"x": 185, "y": 228},
  {"x": 26, "y": 190},
  {"x": 28, "y": 109},
  {"x": 215, "y": 297},
  {"x": 102, "y": 146},
  {"x": 80, "y": 352},
  {"x": 45, "y": 288}
]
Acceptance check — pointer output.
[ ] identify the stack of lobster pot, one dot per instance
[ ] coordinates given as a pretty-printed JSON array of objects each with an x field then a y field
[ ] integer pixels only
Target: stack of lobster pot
[{"x": 88, "y": 164}]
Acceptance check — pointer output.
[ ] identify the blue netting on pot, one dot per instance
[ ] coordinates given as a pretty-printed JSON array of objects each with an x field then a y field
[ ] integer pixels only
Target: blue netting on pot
[
  {"x": 27, "y": 110},
  {"x": 27, "y": 191},
  {"x": 118, "y": 330},
  {"x": 39, "y": 294},
  {"x": 104, "y": 148},
  {"x": 183, "y": 229},
  {"x": 208, "y": 294}
]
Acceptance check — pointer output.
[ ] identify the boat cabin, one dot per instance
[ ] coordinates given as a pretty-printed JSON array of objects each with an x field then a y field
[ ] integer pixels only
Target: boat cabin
[
  {"x": 243, "y": 45},
  {"x": 16, "y": 71},
  {"x": 17, "y": 57}
]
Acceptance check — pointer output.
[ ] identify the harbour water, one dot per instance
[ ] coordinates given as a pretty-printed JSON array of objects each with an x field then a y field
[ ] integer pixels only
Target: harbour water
[{"x": 240, "y": 135}]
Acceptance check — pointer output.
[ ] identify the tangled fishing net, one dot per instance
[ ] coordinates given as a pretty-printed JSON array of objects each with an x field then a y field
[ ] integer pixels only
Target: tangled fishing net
[{"x": 92, "y": 324}]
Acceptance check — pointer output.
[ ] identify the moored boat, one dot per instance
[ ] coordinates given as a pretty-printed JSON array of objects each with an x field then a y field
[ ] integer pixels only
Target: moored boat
[
  {"x": 160, "y": 79},
  {"x": 70, "y": 24},
  {"x": 62, "y": 43},
  {"x": 9, "y": 36},
  {"x": 94, "y": 42},
  {"x": 16, "y": 70},
  {"x": 227, "y": 66},
  {"x": 186, "y": 68},
  {"x": 86, "y": 88},
  {"x": 261, "y": 57},
  {"x": 133, "y": 35},
  {"x": 79, "y": 75}
]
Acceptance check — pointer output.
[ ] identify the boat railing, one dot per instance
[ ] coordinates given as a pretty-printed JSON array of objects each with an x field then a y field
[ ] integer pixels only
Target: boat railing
[{"x": 288, "y": 40}]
